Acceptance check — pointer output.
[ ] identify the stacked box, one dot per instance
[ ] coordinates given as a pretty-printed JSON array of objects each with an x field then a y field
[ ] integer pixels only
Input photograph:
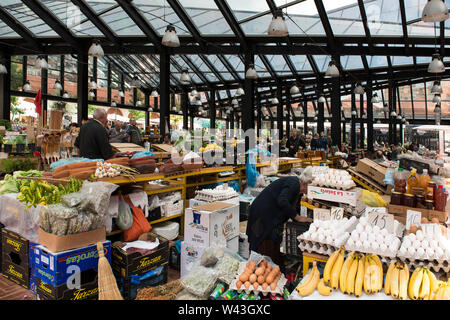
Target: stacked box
[
  {"x": 16, "y": 258},
  {"x": 129, "y": 287},
  {"x": 68, "y": 275}
]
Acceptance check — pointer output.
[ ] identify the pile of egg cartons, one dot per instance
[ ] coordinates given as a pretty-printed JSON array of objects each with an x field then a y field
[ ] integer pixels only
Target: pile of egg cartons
[
  {"x": 425, "y": 246},
  {"x": 324, "y": 236},
  {"x": 221, "y": 192},
  {"x": 333, "y": 178},
  {"x": 368, "y": 239}
]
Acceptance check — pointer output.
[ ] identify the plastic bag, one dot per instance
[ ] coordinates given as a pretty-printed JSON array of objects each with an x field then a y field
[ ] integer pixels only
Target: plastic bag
[
  {"x": 125, "y": 217},
  {"x": 251, "y": 171},
  {"x": 142, "y": 154},
  {"x": 210, "y": 257},
  {"x": 96, "y": 196},
  {"x": 154, "y": 202},
  {"x": 200, "y": 281},
  {"x": 226, "y": 268},
  {"x": 186, "y": 295},
  {"x": 389, "y": 177},
  {"x": 373, "y": 199},
  {"x": 72, "y": 199},
  {"x": 63, "y": 162}
]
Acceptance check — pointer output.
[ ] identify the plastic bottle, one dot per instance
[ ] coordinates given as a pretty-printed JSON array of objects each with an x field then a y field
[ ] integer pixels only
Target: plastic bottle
[
  {"x": 440, "y": 201},
  {"x": 412, "y": 182},
  {"x": 423, "y": 180},
  {"x": 400, "y": 181}
]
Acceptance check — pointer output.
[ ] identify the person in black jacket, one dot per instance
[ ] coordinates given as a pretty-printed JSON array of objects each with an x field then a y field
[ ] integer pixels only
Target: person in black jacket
[
  {"x": 268, "y": 213},
  {"x": 93, "y": 140},
  {"x": 293, "y": 143}
]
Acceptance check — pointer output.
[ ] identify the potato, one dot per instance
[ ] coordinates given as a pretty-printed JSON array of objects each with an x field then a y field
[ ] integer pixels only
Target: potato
[
  {"x": 238, "y": 284},
  {"x": 252, "y": 278},
  {"x": 413, "y": 228},
  {"x": 261, "y": 279},
  {"x": 276, "y": 269},
  {"x": 269, "y": 267},
  {"x": 247, "y": 285},
  {"x": 243, "y": 277},
  {"x": 259, "y": 271}
]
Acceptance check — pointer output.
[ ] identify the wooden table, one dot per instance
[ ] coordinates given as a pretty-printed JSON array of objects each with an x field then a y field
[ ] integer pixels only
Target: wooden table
[{"x": 127, "y": 147}]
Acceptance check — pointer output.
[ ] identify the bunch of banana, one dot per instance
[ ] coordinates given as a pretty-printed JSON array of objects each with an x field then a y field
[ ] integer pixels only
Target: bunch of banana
[
  {"x": 310, "y": 283},
  {"x": 352, "y": 274},
  {"x": 74, "y": 185},
  {"x": 423, "y": 284},
  {"x": 373, "y": 274},
  {"x": 442, "y": 291},
  {"x": 333, "y": 268},
  {"x": 396, "y": 283}
]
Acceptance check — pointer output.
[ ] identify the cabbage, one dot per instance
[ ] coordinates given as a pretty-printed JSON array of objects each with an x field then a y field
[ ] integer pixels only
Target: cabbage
[{"x": 8, "y": 185}]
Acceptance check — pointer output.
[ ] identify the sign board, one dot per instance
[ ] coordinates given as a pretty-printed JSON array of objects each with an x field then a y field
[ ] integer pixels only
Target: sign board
[
  {"x": 413, "y": 217},
  {"x": 337, "y": 213},
  {"x": 382, "y": 220},
  {"x": 321, "y": 214}
]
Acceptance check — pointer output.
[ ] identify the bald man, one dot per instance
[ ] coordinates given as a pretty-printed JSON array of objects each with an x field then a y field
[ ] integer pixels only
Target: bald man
[{"x": 93, "y": 139}]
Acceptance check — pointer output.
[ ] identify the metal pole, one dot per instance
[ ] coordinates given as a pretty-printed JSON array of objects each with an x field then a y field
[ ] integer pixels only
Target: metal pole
[
  {"x": 164, "y": 67},
  {"x": 369, "y": 116},
  {"x": 82, "y": 87},
  {"x": 336, "y": 113},
  {"x": 5, "y": 90}
]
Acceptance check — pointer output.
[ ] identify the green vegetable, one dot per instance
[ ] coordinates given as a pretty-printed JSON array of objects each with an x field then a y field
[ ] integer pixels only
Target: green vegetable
[
  {"x": 19, "y": 140},
  {"x": 29, "y": 173},
  {"x": 8, "y": 185}
]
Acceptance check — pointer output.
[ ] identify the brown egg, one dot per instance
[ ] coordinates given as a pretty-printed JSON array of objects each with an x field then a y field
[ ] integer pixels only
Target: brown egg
[
  {"x": 413, "y": 228},
  {"x": 238, "y": 284},
  {"x": 424, "y": 220},
  {"x": 261, "y": 279},
  {"x": 273, "y": 285},
  {"x": 269, "y": 279},
  {"x": 256, "y": 285},
  {"x": 435, "y": 220},
  {"x": 276, "y": 269},
  {"x": 264, "y": 286},
  {"x": 247, "y": 285},
  {"x": 269, "y": 267},
  {"x": 243, "y": 277},
  {"x": 252, "y": 278},
  {"x": 259, "y": 271},
  {"x": 444, "y": 231}
]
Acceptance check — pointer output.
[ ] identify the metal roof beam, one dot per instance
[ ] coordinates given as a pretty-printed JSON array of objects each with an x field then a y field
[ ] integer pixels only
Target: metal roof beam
[
  {"x": 365, "y": 24},
  {"x": 19, "y": 28},
  {"x": 326, "y": 25},
  {"x": 404, "y": 25},
  {"x": 231, "y": 20},
  {"x": 181, "y": 13}
]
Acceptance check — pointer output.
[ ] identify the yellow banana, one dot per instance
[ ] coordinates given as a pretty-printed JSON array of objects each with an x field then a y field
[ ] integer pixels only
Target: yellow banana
[
  {"x": 323, "y": 289},
  {"x": 375, "y": 275},
  {"x": 414, "y": 285},
  {"x": 424, "y": 291},
  {"x": 411, "y": 280},
  {"x": 403, "y": 283},
  {"x": 309, "y": 278},
  {"x": 344, "y": 272},
  {"x": 336, "y": 270},
  {"x": 387, "y": 282},
  {"x": 351, "y": 277},
  {"x": 359, "y": 276},
  {"x": 312, "y": 285},
  {"x": 395, "y": 282},
  {"x": 329, "y": 266},
  {"x": 367, "y": 288},
  {"x": 380, "y": 267},
  {"x": 433, "y": 283}
]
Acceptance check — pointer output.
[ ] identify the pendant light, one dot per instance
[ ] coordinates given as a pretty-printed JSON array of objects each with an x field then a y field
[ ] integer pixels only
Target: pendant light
[
  {"x": 198, "y": 102},
  {"x": 174, "y": 109},
  {"x": 354, "y": 113},
  {"x": 180, "y": 112},
  {"x": 139, "y": 103},
  {"x": 379, "y": 121},
  {"x": 435, "y": 11},
  {"x": 150, "y": 109},
  {"x": 135, "y": 83},
  {"x": 240, "y": 92},
  {"x": 113, "y": 104},
  {"x": 315, "y": 118},
  {"x": 3, "y": 69},
  {"x": 266, "y": 117},
  {"x": 256, "y": 113},
  {"x": 96, "y": 49},
  {"x": 234, "y": 102},
  {"x": 332, "y": 70},
  {"x": 393, "y": 114},
  {"x": 57, "y": 85},
  {"x": 386, "y": 108},
  {"x": 437, "y": 98},
  {"x": 375, "y": 98},
  {"x": 322, "y": 99},
  {"x": 121, "y": 94},
  {"x": 407, "y": 123},
  {"x": 91, "y": 94},
  {"x": 170, "y": 38},
  {"x": 27, "y": 86},
  {"x": 275, "y": 101},
  {"x": 92, "y": 84},
  {"x": 66, "y": 95},
  {"x": 41, "y": 63},
  {"x": 294, "y": 90},
  {"x": 154, "y": 93},
  {"x": 359, "y": 89},
  {"x": 436, "y": 87},
  {"x": 436, "y": 65},
  {"x": 185, "y": 77},
  {"x": 399, "y": 117},
  {"x": 251, "y": 72},
  {"x": 278, "y": 26},
  {"x": 194, "y": 92},
  {"x": 403, "y": 120}
]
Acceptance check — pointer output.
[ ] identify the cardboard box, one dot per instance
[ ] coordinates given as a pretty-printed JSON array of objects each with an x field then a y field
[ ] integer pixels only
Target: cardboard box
[
  {"x": 72, "y": 241},
  {"x": 212, "y": 223},
  {"x": 56, "y": 268},
  {"x": 195, "y": 202},
  {"x": 135, "y": 263},
  {"x": 372, "y": 170},
  {"x": 16, "y": 261},
  {"x": 397, "y": 210},
  {"x": 129, "y": 288},
  {"x": 321, "y": 193},
  {"x": 87, "y": 290},
  {"x": 172, "y": 209}
]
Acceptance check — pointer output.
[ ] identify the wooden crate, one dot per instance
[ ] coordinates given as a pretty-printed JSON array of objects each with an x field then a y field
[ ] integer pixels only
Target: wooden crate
[{"x": 400, "y": 212}]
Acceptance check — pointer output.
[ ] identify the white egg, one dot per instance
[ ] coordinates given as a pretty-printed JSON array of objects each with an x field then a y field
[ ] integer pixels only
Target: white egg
[
  {"x": 369, "y": 229},
  {"x": 350, "y": 242},
  {"x": 406, "y": 242},
  {"x": 306, "y": 235},
  {"x": 416, "y": 244},
  {"x": 440, "y": 253},
  {"x": 314, "y": 236},
  {"x": 412, "y": 237},
  {"x": 312, "y": 228},
  {"x": 434, "y": 243},
  {"x": 447, "y": 253},
  {"x": 383, "y": 247},
  {"x": 411, "y": 251},
  {"x": 366, "y": 245},
  {"x": 376, "y": 229},
  {"x": 359, "y": 244},
  {"x": 420, "y": 253},
  {"x": 363, "y": 236},
  {"x": 372, "y": 237},
  {"x": 380, "y": 239},
  {"x": 337, "y": 243},
  {"x": 430, "y": 252},
  {"x": 321, "y": 238},
  {"x": 393, "y": 248},
  {"x": 402, "y": 251},
  {"x": 419, "y": 235},
  {"x": 425, "y": 243},
  {"x": 329, "y": 239},
  {"x": 363, "y": 221}
]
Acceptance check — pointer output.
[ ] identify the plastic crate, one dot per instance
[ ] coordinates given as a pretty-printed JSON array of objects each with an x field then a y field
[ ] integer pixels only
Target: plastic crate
[
  {"x": 292, "y": 231},
  {"x": 129, "y": 290}
]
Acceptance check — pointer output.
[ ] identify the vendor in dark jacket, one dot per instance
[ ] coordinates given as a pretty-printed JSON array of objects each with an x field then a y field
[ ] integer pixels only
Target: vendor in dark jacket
[
  {"x": 293, "y": 143},
  {"x": 93, "y": 140},
  {"x": 268, "y": 213}
]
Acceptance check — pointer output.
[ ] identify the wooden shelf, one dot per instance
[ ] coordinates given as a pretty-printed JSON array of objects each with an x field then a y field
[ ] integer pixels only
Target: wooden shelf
[
  {"x": 156, "y": 189},
  {"x": 166, "y": 219}
]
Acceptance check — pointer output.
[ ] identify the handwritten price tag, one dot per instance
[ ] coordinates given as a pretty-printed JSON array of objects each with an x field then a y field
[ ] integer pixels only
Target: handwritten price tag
[
  {"x": 413, "y": 217},
  {"x": 337, "y": 213},
  {"x": 321, "y": 214},
  {"x": 375, "y": 209},
  {"x": 382, "y": 220},
  {"x": 303, "y": 211}
]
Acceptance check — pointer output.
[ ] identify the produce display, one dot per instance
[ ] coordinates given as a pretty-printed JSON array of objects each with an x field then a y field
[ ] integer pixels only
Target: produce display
[
  {"x": 312, "y": 281},
  {"x": 423, "y": 285},
  {"x": 396, "y": 283},
  {"x": 107, "y": 169},
  {"x": 221, "y": 192},
  {"x": 261, "y": 277},
  {"x": 332, "y": 178}
]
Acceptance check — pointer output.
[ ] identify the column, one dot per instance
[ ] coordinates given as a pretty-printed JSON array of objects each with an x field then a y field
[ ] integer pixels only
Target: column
[
  {"x": 5, "y": 90},
  {"x": 320, "y": 109},
  {"x": 164, "y": 120},
  {"x": 336, "y": 112},
  {"x": 82, "y": 87},
  {"x": 361, "y": 121},
  {"x": 369, "y": 116},
  {"x": 212, "y": 109},
  {"x": 184, "y": 109}
]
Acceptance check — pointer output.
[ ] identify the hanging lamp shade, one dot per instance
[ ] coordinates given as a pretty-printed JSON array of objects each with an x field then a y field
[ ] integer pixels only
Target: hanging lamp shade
[
  {"x": 278, "y": 26},
  {"x": 240, "y": 92},
  {"x": 96, "y": 49},
  {"x": 275, "y": 101},
  {"x": 266, "y": 117},
  {"x": 353, "y": 113},
  {"x": 139, "y": 103},
  {"x": 91, "y": 94},
  {"x": 399, "y": 117},
  {"x": 185, "y": 77},
  {"x": 436, "y": 88},
  {"x": 322, "y": 99},
  {"x": 135, "y": 83},
  {"x": 194, "y": 92},
  {"x": 57, "y": 85},
  {"x": 251, "y": 72},
  {"x": 437, "y": 98},
  {"x": 436, "y": 65},
  {"x": 437, "y": 109},
  {"x": 393, "y": 114},
  {"x": 180, "y": 112},
  {"x": 403, "y": 120},
  {"x": 154, "y": 93},
  {"x": 170, "y": 38},
  {"x": 379, "y": 121},
  {"x": 41, "y": 63},
  {"x": 150, "y": 109},
  {"x": 315, "y": 118},
  {"x": 174, "y": 109},
  {"x": 200, "y": 108},
  {"x": 386, "y": 108},
  {"x": 435, "y": 11},
  {"x": 198, "y": 102},
  {"x": 27, "y": 86},
  {"x": 92, "y": 84},
  {"x": 294, "y": 89},
  {"x": 332, "y": 70},
  {"x": 256, "y": 113},
  {"x": 234, "y": 102},
  {"x": 113, "y": 104},
  {"x": 3, "y": 69},
  {"x": 375, "y": 98},
  {"x": 121, "y": 94},
  {"x": 359, "y": 89},
  {"x": 65, "y": 95}
]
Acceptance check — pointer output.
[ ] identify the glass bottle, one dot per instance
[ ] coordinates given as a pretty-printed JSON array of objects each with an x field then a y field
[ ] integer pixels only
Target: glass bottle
[
  {"x": 412, "y": 182},
  {"x": 440, "y": 201},
  {"x": 400, "y": 181},
  {"x": 423, "y": 180}
]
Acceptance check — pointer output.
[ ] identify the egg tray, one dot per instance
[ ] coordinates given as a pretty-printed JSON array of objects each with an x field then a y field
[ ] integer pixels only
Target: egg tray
[
  {"x": 278, "y": 290},
  {"x": 432, "y": 264},
  {"x": 338, "y": 187},
  {"x": 377, "y": 252},
  {"x": 324, "y": 248}
]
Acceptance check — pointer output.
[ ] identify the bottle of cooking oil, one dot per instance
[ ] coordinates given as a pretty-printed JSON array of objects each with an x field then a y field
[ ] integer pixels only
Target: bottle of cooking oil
[
  {"x": 423, "y": 180},
  {"x": 413, "y": 181}
]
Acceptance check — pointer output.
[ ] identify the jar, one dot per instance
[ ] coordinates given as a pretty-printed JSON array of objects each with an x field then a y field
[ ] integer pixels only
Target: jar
[
  {"x": 409, "y": 200},
  {"x": 420, "y": 201},
  {"x": 397, "y": 198},
  {"x": 429, "y": 204},
  {"x": 431, "y": 190}
]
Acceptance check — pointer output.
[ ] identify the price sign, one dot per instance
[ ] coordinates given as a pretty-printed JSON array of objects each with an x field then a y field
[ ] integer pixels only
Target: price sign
[
  {"x": 321, "y": 214},
  {"x": 375, "y": 209},
  {"x": 382, "y": 220},
  {"x": 428, "y": 228},
  {"x": 303, "y": 211},
  {"x": 337, "y": 213},
  {"x": 413, "y": 217}
]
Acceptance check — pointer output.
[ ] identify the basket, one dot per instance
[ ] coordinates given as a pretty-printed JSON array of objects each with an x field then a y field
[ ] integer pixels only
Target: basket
[{"x": 292, "y": 231}]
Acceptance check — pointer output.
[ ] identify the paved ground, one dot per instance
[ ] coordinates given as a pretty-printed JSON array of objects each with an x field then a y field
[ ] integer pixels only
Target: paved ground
[{"x": 11, "y": 291}]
